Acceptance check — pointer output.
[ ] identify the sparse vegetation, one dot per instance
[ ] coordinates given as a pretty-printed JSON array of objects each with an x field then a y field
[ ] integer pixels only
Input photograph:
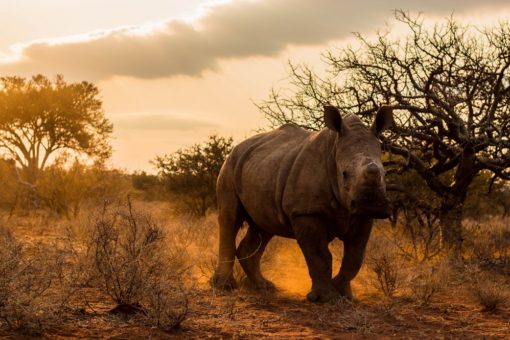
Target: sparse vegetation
[{"x": 164, "y": 283}]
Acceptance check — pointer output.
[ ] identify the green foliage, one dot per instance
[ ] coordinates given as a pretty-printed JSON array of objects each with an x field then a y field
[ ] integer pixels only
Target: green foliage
[
  {"x": 40, "y": 117},
  {"x": 149, "y": 185},
  {"x": 191, "y": 173}
]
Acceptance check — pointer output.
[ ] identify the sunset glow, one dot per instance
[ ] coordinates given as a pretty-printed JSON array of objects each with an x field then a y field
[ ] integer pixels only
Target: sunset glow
[{"x": 172, "y": 72}]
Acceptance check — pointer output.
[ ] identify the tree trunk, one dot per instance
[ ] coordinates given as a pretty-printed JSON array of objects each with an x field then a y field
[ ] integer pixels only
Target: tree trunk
[
  {"x": 452, "y": 205},
  {"x": 450, "y": 217},
  {"x": 31, "y": 173}
]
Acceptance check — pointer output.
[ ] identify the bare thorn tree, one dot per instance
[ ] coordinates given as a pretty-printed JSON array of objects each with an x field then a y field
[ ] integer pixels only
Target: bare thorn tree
[{"x": 450, "y": 87}]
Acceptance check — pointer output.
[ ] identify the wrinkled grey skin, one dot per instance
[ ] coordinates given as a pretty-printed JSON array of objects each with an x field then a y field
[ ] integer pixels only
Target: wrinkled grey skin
[{"x": 310, "y": 186}]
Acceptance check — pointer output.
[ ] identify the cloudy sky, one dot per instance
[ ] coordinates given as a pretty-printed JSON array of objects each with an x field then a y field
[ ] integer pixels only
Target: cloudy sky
[{"x": 172, "y": 72}]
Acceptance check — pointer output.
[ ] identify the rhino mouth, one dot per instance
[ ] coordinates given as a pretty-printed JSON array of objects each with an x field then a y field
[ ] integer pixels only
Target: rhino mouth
[{"x": 370, "y": 209}]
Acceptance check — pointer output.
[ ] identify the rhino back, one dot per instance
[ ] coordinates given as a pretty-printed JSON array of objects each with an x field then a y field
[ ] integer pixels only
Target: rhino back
[{"x": 277, "y": 175}]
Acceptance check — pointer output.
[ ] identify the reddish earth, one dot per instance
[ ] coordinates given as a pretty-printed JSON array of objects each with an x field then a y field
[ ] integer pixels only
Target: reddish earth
[{"x": 243, "y": 314}]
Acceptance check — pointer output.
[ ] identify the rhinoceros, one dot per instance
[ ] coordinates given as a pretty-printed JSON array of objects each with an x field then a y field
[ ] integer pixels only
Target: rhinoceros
[{"x": 309, "y": 186}]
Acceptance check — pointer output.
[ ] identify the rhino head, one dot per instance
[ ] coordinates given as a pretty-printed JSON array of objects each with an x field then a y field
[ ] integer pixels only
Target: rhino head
[{"x": 359, "y": 170}]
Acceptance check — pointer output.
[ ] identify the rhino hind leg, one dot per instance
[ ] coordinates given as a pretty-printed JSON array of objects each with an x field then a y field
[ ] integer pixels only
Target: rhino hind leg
[
  {"x": 230, "y": 218},
  {"x": 249, "y": 253}
]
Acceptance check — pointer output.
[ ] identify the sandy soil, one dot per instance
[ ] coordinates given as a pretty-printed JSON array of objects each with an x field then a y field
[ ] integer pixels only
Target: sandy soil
[{"x": 285, "y": 314}]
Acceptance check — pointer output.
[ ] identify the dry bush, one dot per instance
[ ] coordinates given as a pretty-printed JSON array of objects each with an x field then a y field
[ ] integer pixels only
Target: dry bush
[
  {"x": 427, "y": 280},
  {"x": 137, "y": 267},
  {"x": 418, "y": 241},
  {"x": 384, "y": 264},
  {"x": 489, "y": 243},
  {"x": 490, "y": 291},
  {"x": 415, "y": 230},
  {"x": 27, "y": 301},
  {"x": 72, "y": 272},
  {"x": 165, "y": 303},
  {"x": 489, "y": 295}
]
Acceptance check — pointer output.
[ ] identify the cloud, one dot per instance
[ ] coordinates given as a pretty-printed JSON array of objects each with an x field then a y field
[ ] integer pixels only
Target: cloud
[
  {"x": 158, "y": 122},
  {"x": 236, "y": 29}
]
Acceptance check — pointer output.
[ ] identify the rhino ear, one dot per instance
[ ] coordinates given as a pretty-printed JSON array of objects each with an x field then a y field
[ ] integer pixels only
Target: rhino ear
[
  {"x": 333, "y": 119},
  {"x": 383, "y": 119}
]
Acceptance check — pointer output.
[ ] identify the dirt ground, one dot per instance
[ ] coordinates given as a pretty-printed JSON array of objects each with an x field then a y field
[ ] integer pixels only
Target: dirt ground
[
  {"x": 285, "y": 314},
  {"x": 252, "y": 316}
]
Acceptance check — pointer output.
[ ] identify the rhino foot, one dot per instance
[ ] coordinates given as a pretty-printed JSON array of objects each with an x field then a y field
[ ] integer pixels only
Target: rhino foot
[
  {"x": 323, "y": 295},
  {"x": 344, "y": 288},
  {"x": 261, "y": 284},
  {"x": 223, "y": 283}
]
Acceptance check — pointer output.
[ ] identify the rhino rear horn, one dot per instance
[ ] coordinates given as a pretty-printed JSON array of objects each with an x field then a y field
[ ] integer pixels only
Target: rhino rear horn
[
  {"x": 333, "y": 119},
  {"x": 383, "y": 119}
]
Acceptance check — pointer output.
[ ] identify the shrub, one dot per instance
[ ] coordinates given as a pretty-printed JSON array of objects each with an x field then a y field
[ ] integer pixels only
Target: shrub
[
  {"x": 489, "y": 245},
  {"x": 27, "y": 304},
  {"x": 191, "y": 173},
  {"x": 135, "y": 268},
  {"x": 489, "y": 292},
  {"x": 428, "y": 280},
  {"x": 383, "y": 263},
  {"x": 165, "y": 305}
]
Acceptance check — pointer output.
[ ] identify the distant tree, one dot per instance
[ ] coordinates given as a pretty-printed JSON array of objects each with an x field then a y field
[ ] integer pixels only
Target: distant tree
[
  {"x": 191, "y": 173},
  {"x": 149, "y": 185},
  {"x": 450, "y": 87},
  {"x": 143, "y": 181},
  {"x": 65, "y": 187},
  {"x": 40, "y": 117}
]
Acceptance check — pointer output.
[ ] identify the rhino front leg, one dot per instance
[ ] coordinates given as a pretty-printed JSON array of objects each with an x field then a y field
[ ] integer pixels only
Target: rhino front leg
[
  {"x": 311, "y": 234},
  {"x": 354, "y": 250}
]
